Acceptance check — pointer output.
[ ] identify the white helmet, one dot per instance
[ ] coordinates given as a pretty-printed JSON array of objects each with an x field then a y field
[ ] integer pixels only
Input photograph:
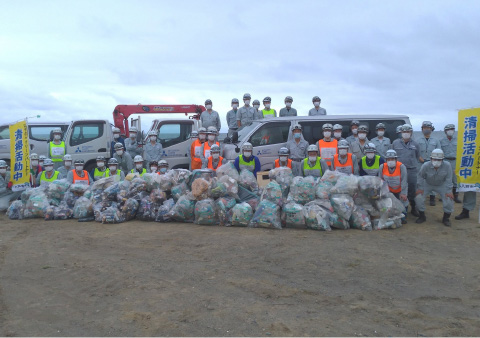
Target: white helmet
[
  {"x": 343, "y": 144},
  {"x": 3, "y": 163},
  {"x": 437, "y": 154},
  {"x": 152, "y": 133},
  {"x": 67, "y": 157},
  {"x": 138, "y": 158},
  {"x": 163, "y": 163},
  {"x": 57, "y": 131},
  {"x": 390, "y": 154},
  {"x": 312, "y": 147},
  {"x": 116, "y": 130},
  {"x": 337, "y": 127},
  {"x": 133, "y": 130},
  {"x": 34, "y": 156},
  {"x": 247, "y": 146},
  {"x": 212, "y": 130},
  {"x": 42, "y": 157},
  {"x": 118, "y": 146}
]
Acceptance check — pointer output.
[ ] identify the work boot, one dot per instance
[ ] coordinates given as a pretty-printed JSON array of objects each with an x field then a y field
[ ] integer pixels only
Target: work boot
[
  {"x": 455, "y": 196},
  {"x": 446, "y": 219},
  {"x": 421, "y": 217},
  {"x": 432, "y": 200},
  {"x": 463, "y": 214},
  {"x": 414, "y": 211}
]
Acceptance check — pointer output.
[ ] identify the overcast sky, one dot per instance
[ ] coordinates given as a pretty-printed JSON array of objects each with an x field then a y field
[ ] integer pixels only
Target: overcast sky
[{"x": 69, "y": 60}]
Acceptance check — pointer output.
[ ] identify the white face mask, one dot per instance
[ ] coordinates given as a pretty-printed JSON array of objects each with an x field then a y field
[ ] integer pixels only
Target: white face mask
[
  {"x": 133, "y": 136},
  {"x": 362, "y": 136},
  {"x": 49, "y": 168},
  {"x": 153, "y": 169},
  {"x": 139, "y": 166},
  {"x": 450, "y": 133},
  {"x": 436, "y": 164},
  {"x": 79, "y": 167},
  {"x": 40, "y": 163},
  {"x": 101, "y": 164},
  {"x": 405, "y": 136},
  {"x": 3, "y": 170},
  {"x": 267, "y": 106},
  {"x": 202, "y": 137},
  {"x": 119, "y": 152},
  {"x": 34, "y": 163},
  {"x": 211, "y": 137},
  {"x": 288, "y": 104},
  {"x": 247, "y": 153},
  {"x": 215, "y": 155},
  {"x": 68, "y": 164},
  {"x": 208, "y": 106},
  {"x": 327, "y": 134},
  {"x": 380, "y": 133},
  {"x": 312, "y": 158},
  {"x": 153, "y": 139},
  {"x": 342, "y": 151},
  {"x": 354, "y": 131},
  {"x": 391, "y": 164},
  {"x": 163, "y": 170},
  {"x": 115, "y": 136},
  {"x": 234, "y": 105},
  {"x": 316, "y": 104},
  {"x": 283, "y": 158},
  {"x": 56, "y": 137},
  {"x": 256, "y": 106},
  {"x": 113, "y": 168},
  {"x": 247, "y": 102},
  {"x": 370, "y": 155},
  {"x": 337, "y": 134}
]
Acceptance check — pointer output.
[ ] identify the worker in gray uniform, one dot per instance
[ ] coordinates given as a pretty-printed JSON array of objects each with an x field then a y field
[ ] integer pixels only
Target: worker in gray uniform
[
  {"x": 313, "y": 165},
  {"x": 449, "y": 147},
  {"x": 268, "y": 112},
  {"x": 317, "y": 110},
  {"x": 232, "y": 118},
  {"x": 382, "y": 143},
  {"x": 67, "y": 165},
  {"x": 298, "y": 150},
  {"x": 288, "y": 110},
  {"x": 427, "y": 144},
  {"x": 245, "y": 114},
  {"x": 354, "y": 129},
  {"x": 131, "y": 145},
  {"x": 435, "y": 176},
  {"x": 357, "y": 147},
  {"x": 337, "y": 132},
  {"x": 210, "y": 117},
  {"x": 125, "y": 161},
  {"x": 398, "y": 131},
  {"x": 153, "y": 149},
  {"x": 256, "y": 107},
  {"x": 408, "y": 153}
]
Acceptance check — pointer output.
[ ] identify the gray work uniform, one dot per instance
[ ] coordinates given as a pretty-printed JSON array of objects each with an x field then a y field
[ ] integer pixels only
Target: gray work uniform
[
  {"x": 427, "y": 145},
  {"x": 314, "y": 173},
  {"x": 357, "y": 149},
  {"x": 245, "y": 115},
  {"x": 70, "y": 177},
  {"x": 403, "y": 180},
  {"x": 125, "y": 162},
  {"x": 232, "y": 122},
  {"x": 469, "y": 200},
  {"x": 64, "y": 171},
  {"x": 298, "y": 151},
  {"x": 59, "y": 177},
  {"x": 408, "y": 154},
  {"x": 132, "y": 147},
  {"x": 432, "y": 180},
  {"x": 211, "y": 119},
  {"x": 314, "y": 111},
  {"x": 449, "y": 148},
  {"x": 381, "y": 145},
  {"x": 287, "y": 112},
  {"x": 258, "y": 114},
  {"x": 153, "y": 152},
  {"x": 345, "y": 169},
  {"x": 6, "y": 195},
  {"x": 351, "y": 138}
]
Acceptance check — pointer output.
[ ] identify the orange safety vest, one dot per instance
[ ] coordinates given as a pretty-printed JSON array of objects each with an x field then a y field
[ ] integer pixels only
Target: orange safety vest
[
  {"x": 327, "y": 150},
  {"x": 78, "y": 179},
  {"x": 210, "y": 162},
  {"x": 343, "y": 168},
  {"x": 289, "y": 163},
  {"x": 206, "y": 149},
  {"x": 394, "y": 180},
  {"x": 195, "y": 154}
]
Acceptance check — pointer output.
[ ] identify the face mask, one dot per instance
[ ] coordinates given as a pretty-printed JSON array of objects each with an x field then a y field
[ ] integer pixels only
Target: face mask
[
  {"x": 450, "y": 132},
  {"x": 343, "y": 151},
  {"x": 267, "y": 106},
  {"x": 436, "y": 164},
  {"x": 57, "y": 137},
  {"x": 49, "y": 168},
  {"x": 40, "y": 163},
  {"x": 163, "y": 170},
  {"x": 327, "y": 134},
  {"x": 113, "y": 168},
  {"x": 256, "y": 106},
  {"x": 101, "y": 164},
  {"x": 354, "y": 131},
  {"x": 115, "y": 136},
  {"x": 283, "y": 158},
  {"x": 247, "y": 102},
  {"x": 297, "y": 135},
  {"x": 202, "y": 137},
  {"x": 215, "y": 156},
  {"x": 405, "y": 136},
  {"x": 153, "y": 138},
  {"x": 3, "y": 170},
  {"x": 153, "y": 169},
  {"x": 211, "y": 137},
  {"x": 139, "y": 166},
  {"x": 312, "y": 158},
  {"x": 391, "y": 164},
  {"x": 79, "y": 167},
  {"x": 337, "y": 135},
  {"x": 208, "y": 106},
  {"x": 380, "y": 133},
  {"x": 316, "y": 104},
  {"x": 68, "y": 163},
  {"x": 133, "y": 136},
  {"x": 288, "y": 104},
  {"x": 234, "y": 105},
  {"x": 34, "y": 163},
  {"x": 426, "y": 131},
  {"x": 370, "y": 155},
  {"x": 247, "y": 153},
  {"x": 362, "y": 136},
  {"x": 119, "y": 152}
]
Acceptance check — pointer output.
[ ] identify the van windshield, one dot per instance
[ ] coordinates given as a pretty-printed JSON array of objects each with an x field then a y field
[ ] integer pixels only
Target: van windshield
[{"x": 245, "y": 131}]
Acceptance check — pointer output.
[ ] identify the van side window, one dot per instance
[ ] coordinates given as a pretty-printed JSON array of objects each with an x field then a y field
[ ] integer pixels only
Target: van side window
[
  {"x": 312, "y": 131},
  {"x": 271, "y": 133},
  {"x": 5, "y": 133},
  {"x": 41, "y": 133},
  {"x": 85, "y": 132},
  {"x": 170, "y": 134}
]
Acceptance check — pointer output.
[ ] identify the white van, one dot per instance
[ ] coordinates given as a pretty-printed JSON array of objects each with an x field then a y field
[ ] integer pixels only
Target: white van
[{"x": 268, "y": 135}]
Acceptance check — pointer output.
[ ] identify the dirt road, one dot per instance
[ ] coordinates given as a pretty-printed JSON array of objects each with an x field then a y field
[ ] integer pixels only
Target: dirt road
[{"x": 64, "y": 278}]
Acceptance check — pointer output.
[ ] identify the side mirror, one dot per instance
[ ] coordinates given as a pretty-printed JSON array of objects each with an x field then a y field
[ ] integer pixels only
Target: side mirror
[
  {"x": 237, "y": 149},
  {"x": 226, "y": 140},
  {"x": 235, "y": 137}
]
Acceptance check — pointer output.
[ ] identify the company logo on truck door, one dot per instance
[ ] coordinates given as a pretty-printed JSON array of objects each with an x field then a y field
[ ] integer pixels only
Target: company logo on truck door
[
  {"x": 171, "y": 153},
  {"x": 264, "y": 152},
  {"x": 84, "y": 149},
  {"x": 157, "y": 108}
]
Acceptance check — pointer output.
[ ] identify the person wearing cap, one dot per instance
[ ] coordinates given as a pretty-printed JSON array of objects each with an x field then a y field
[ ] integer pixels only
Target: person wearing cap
[
  {"x": 382, "y": 143},
  {"x": 49, "y": 174},
  {"x": 258, "y": 113},
  {"x": 345, "y": 162},
  {"x": 113, "y": 169},
  {"x": 398, "y": 131},
  {"x": 313, "y": 165},
  {"x": 354, "y": 129},
  {"x": 427, "y": 144},
  {"x": 162, "y": 167},
  {"x": 317, "y": 110},
  {"x": 371, "y": 162},
  {"x": 210, "y": 117},
  {"x": 297, "y": 146},
  {"x": 56, "y": 148},
  {"x": 131, "y": 145},
  {"x": 78, "y": 175},
  {"x": 268, "y": 112},
  {"x": 232, "y": 118},
  {"x": 247, "y": 160},
  {"x": 41, "y": 159},
  {"x": 245, "y": 114},
  {"x": 153, "y": 166},
  {"x": 435, "y": 176},
  {"x": 288, "y": 110},
  {"x": 138, "y": 162},
  {"x": 116, "y": 138},
  {"x": 283, "y": 160},
  {"x": 408, "y": 152},
  {"x": 205, "y": 149},
  {"x": 328, "y": 145},
  {"x": 124, "y": 159},
  {"x": 357, "y": 147},
  {"x": 337, "y": 132},
  {"x": 449, "y": 146},
  {"x": 214, "y": 160},
  {"x": 196, "y": 149},
  {"x": 394, "y": 173},
  {"x": 101, "y": 170},
  {"x": 153, "y": 149},
  {"x": 35, "y": 169},
  {"x": 67, "y": 165}
]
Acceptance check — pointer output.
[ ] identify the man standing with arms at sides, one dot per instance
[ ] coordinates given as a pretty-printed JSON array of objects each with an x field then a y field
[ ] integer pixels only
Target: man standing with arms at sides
[
  {"x": 382, "y": 143},
  {"x": 427, "y": 144},
  {"x": 354, "y": 129},
  {"x": 268, "y": 112},
  {"x": 232, "y": 118},
  {"x": 327, "y": 146},
  {"x": 131, "y": 144},
  {"x": 288, "y": 110},
  {"x": 298, "y": 150},
  {"x": 56, "y": 148},
  {"x": 210, "y": 117},
  {"x": 357, "y": 147},
  {"x": 449, "y": 147},
  {"x": 317, "y": 110},
  {"x": 258, "y": 113},
  {"x": 246, "y": 114}
]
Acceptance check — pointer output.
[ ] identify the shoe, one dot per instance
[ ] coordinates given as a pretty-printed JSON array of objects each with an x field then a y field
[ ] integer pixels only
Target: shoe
[
  {"x": 432, "y": 200},
  {"x": 414, "y": 211},
  {"x": 463, "y": 214},
  {"x": 446, "y": 219},
  {"x": 421, "y": 217}
]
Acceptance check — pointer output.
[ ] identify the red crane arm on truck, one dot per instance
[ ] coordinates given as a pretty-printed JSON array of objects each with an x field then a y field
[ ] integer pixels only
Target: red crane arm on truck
[{"x": 122, "y": 112}]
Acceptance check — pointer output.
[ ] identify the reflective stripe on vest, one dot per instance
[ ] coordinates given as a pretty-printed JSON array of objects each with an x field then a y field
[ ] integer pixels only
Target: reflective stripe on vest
[
  {"x": 57, "y": 151},
  {"x": 394, "y": 180},
  {"x": 373, "y": 170},
  {"x": 210, "y": 162},
  {"x": 270, "y": 112},
  {"x": 80, "y": 180},
  {"x": 43, "y": 177},
  {"x": 206, "y": 149},
  {"x": 97, "y": 174},
  {"x": 315, "y": 171},
  {"x": 346, "y": 168},
  {"x": 289, "y": 163},
  {"x": 141, "y": 174},
  {"x": 327, "y": 150},
  {"x": 246, "y": 165}
]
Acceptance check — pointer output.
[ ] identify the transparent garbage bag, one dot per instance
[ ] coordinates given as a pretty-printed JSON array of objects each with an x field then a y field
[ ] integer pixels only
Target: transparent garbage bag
[
  {"x": 273, "y": 193},
  {"x": 56, "y": 191},
  {"x": 241, "y": 214},
  {"x": 179, "y": 190},
  {"x": 363, "y": 201},
  {"x": 316, "y": 217},
  {"x": 338, "y": 222},
  {"x": 347, "y": 184},
  {"x": 111, "y": 215},
  {"x": 223, "y": 206},
  {"x": 323, "y": 188},
  {"x": 200, "y": 189},
  {"x": 324, "y": 203},
  {"x": 385, "y": 222},
  {"x": 158, "y": 196},
  {"x": 248, "y": 180},
  {"x": 397, "y": 208},
  {"x": 36, "y": 205},
  {"x": 284, "y": 177},
  {"x": 146, "y": 210},
  {"x": 129, "y": 209},
  {"x": 293, "y": 216},
  {"x": 137, "y": 185},
  {"x": 206, "y": 212},
  {"x": 343, "y": 205},
  {"x": 162, "y": 213},
  {"x": 83, "y": 208},
  {"x": 302, "y": 190},
  {"x": 123, "y": 188},
  {"x": 360, "y": 219},
  {"x": 78, "y": 188},
  {"x": 15, "y": 210},
  {"x": 178, "y": 176},
  {"x": 111, "y": 193},
  {"x": 371, "y": 186},
  {"x": 266, "y": 216},
  {"x": 224, "y": 186},
  {"x": 184, "y": 209},
  {"x": 228, "y": 169},
  {"x": 331, "y": 176},
  {"x": 104, "y": 183}
]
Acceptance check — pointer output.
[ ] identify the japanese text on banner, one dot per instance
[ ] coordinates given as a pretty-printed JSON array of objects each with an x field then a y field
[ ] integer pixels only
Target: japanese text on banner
[
  {"x": 20, "y": 156},
  {"x": 468, "y": 150}
]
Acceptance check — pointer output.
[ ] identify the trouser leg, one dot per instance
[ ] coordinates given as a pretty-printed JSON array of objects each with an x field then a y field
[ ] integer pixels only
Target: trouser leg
[
  {"x": 420, "y": 199},
  {"x": 469, "y": 200},
  {"x": 297, "y": 168},
  {"x": 412, "y": 183},
  {"x": 446, "y": 201}
]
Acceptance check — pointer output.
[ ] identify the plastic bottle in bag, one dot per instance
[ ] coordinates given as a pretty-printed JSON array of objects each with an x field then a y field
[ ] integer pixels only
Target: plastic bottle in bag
[
  {"x": 15, "y": 210},
  {"x": 241, "y": 214},
  {"x": 228, "y": 169},
  {"x": 83, "y": 208},
  {"x": 200, "y": 189},
  {"x": 248, "y": 180},
  {"x": 316, "y": 217},
  {"x": 205, "y": 212},
  {"x": 266, "y": 216},
  {"x": 273, "y": 193},
  {"x": 184, "y": 209},
  {"x": 343, "y": 205},
  {"x": 162, "y": 213},
  {"x": 347, "y": 184},
  {"x": 293, "y": 216},
  {"x": 360, "y": 219},
  {"x": 302, "y": 190}
]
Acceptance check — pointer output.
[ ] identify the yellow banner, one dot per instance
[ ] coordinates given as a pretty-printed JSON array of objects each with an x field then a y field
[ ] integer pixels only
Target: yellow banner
[
  {"x": 19, "y": 156},
  {"x": 468, "y": 150}
]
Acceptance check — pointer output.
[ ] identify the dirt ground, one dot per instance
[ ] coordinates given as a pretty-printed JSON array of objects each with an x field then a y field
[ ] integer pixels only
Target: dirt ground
[{"x": 64, "y": 278}]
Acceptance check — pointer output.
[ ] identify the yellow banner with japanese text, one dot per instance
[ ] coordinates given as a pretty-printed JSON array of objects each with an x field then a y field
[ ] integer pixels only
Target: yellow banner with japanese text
[
  {"x": 19, "y": 156},
  {"x": 468, "y": 150}
]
